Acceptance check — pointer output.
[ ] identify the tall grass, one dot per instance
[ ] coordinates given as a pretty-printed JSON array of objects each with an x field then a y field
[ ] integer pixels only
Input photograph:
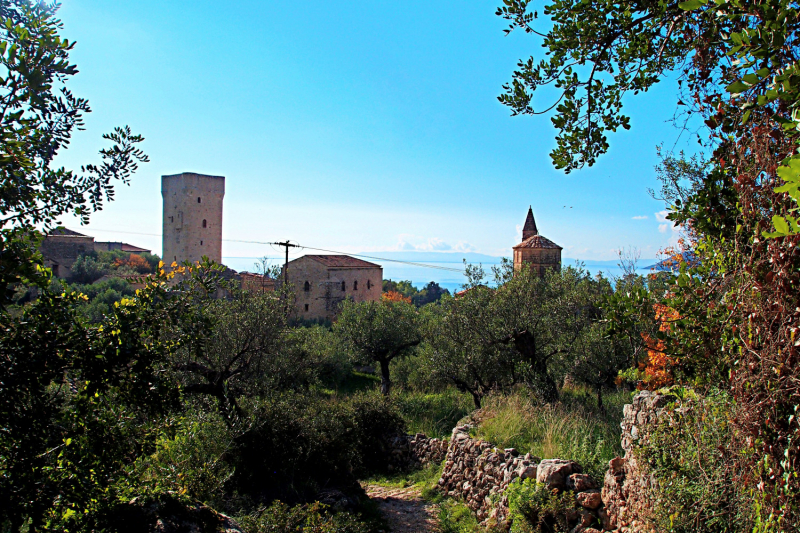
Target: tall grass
[
  {"x": 571, "y": 429},
  {"x": 434, "y": 414}
]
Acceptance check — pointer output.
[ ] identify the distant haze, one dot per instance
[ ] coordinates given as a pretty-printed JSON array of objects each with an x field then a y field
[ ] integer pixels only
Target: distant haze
[{"x": 450, "y": 280}]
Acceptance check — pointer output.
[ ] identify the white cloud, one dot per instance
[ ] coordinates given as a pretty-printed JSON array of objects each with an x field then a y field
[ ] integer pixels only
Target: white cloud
[
  {"x": 415, "y": 243},
  {"x": 640, "y": 217},
  {"x": 666, "y": 226}
]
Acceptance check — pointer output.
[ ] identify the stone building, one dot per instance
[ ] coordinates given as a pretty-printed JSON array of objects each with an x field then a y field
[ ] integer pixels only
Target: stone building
[
  {"x": 322, "y": 282},
  {"x": 61, "y": 247},
  {"x": 192, "y": 217},
  {"x": 535, "y": 250}
]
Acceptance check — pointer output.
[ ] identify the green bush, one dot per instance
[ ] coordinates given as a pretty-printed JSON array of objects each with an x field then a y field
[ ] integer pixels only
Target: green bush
[
  {"x": 302, "y": 444},
  {"x": 88, "y": 269},
  {"x": 696, "y": 456},
  {"x": 535, "y": 509},
  {"x": 312, "y": 518}
]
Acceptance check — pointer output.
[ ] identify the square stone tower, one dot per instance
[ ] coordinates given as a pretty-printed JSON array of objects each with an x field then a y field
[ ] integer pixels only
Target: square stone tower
[{"x": 192, "y": 217}]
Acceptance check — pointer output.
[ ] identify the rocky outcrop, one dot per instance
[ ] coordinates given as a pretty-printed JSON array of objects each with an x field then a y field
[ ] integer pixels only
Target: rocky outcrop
[
  {"x": 414, "y": 451},
  {"x": 628, "y": 491},
  {"x": 478, "y": 473}
]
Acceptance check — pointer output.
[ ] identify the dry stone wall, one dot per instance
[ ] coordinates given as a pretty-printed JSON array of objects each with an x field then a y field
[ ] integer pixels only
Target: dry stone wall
[
  {"x": 628, "y": 491},
  {"x": 478, "y": 473},
  {"x": 414, "y": 451}
]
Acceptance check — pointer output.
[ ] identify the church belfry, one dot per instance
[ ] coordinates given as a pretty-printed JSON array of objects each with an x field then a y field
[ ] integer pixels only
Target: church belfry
[{"x": 535, "y": 250}]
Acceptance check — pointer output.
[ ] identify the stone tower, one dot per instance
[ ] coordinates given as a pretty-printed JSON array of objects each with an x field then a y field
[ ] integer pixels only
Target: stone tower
[
  {"x": 535, "y": 250},
  {"x": 192, "y": 217}
]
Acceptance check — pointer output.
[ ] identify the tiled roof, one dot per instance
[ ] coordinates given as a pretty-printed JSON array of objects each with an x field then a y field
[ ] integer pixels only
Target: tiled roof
[
  {"x": 530, "y": 223},
  {"x": 537, "y": 241},
  {"x": 342, "y": 261},
  {"x": 61, "y": 230},
  {"x": 131, "y": 248}
]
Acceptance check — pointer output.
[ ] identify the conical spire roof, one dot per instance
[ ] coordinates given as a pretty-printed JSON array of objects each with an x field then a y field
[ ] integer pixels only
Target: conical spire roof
[{"x": 529, "y": 229}]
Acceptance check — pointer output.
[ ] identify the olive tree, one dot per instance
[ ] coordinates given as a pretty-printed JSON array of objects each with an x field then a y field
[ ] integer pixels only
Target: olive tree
[
  {"x": 379, "y": 331},
  {"x": 459, "y": 349}
]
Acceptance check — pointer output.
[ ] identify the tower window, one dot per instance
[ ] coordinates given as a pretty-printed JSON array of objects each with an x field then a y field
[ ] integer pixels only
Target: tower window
[
  {"x": 205, "y": 224},
  {"x": 355, "y": 285},
  {"x": 344, "y": 288},
  {"x": 306, "y": 307},
  {"x": 306, "y": 287},
  {"x": 172, "y": 219},
  {"x": 198, "y": 199}
]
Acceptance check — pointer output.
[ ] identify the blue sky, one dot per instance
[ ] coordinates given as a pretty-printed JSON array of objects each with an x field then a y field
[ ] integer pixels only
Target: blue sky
[{"x": 354, "y": 126}]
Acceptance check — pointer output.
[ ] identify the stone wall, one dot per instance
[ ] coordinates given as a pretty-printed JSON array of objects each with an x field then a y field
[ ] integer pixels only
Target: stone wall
[
  {"x": 61, "y": 250},
  {"x": 414, "y": 451},
  {"x": 628, "y": 493},
  {"x": 478, "y": 473}
]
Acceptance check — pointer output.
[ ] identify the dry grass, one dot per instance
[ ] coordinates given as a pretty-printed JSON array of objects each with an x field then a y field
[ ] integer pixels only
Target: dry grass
[{"x": 571, "y": 429}]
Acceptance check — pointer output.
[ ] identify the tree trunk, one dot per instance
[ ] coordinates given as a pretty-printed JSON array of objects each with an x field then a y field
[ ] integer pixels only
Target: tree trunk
[
  {"x": 476, "y": 398},
  {"x": 386, "y": 383},
  {"x": 600, "y": 398}
]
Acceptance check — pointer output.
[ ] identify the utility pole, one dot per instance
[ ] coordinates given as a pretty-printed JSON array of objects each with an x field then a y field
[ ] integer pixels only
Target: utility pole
[{"x": 286, "y": 245}]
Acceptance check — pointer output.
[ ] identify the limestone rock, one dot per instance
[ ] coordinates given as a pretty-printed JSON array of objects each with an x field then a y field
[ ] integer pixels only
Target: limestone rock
[
  {"x": 580, "y": 482},
  {"x": 555, "y": 472},
  {"x": 589, "y": 499}
]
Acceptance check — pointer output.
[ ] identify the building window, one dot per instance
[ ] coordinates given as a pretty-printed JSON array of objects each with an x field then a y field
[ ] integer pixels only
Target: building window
[
  {"x": 201, "y": 243},
  {"x": 306, "y": 308},
  {"x": 369, "y": 284},
  {"x": 355, "y": 285},
  {"x": 205, "y": 224},
  {"x": 198, "y": 199},
  {"x": 344, "y": 288},
  {"x": 306, "y": 287},
  {"x": 172, "y": 219}
]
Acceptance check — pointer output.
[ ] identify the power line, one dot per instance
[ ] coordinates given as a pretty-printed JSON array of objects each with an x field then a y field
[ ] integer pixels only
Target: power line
[{"x": 411, "y": 263}]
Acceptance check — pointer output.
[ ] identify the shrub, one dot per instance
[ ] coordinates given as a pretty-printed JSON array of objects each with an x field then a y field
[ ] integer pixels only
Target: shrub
[
  {"x": 302, "y": 444},
  {"x": 376, "y": 420},
  {"x": 313, "y": 518},
  {"x": 535, "y": 509},
  {"x": 696, "y": 456},
  {"x": 88, "y": 269}
]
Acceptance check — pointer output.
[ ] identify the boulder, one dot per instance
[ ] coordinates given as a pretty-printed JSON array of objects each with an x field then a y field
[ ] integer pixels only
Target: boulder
[
  {"x": 590, "y": 499},
  {"x": 580, "y": 482},
  {"x": 555, "y": 472}
]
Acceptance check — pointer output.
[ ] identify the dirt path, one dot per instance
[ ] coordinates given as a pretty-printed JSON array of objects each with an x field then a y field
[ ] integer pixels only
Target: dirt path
[{"x": 404, "y": 509}]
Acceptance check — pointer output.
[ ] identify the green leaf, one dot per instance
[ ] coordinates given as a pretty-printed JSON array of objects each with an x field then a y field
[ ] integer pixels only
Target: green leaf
[
  {"x": 690, "y": 5},
  {"x": 737, "y": 87},
  {"x": 780, "y": 224}
]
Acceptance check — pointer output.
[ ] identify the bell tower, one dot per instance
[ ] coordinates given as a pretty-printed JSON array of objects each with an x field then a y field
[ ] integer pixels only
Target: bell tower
[{"x": 535, "y": 250}]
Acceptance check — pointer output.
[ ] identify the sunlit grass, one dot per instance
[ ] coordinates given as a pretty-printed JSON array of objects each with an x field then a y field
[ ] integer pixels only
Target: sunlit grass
[
  {"x": 434, "y": 414},
  {"x": 571, "y": 429}
]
